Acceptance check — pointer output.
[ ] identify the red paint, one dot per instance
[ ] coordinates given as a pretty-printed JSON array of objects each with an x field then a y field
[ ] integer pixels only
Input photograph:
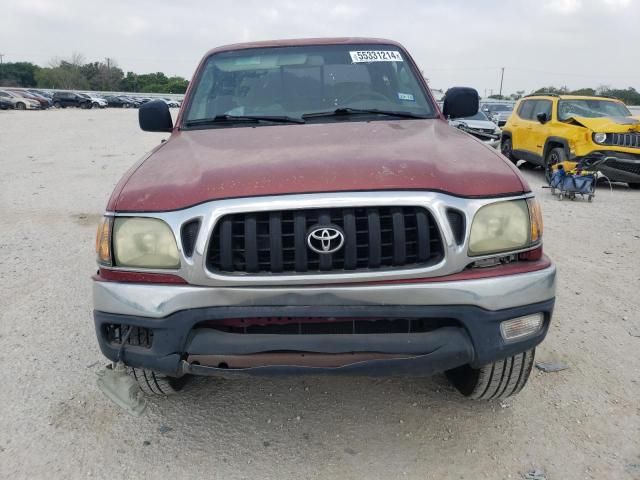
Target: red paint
[
  {"x": 535, "y": 254},
  {"x": 471, "y": 274},
  {"x": 200, "y": 165},
  {"x": 105, "y": 275},
  {"x": 196, "y": 166},
  {"x": 514, "y": 268}
]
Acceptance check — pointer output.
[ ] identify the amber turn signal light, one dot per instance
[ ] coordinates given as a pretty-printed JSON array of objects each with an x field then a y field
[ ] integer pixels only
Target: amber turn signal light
[
  {"x": 103, "y": 241},
  {"x": 535, "y": 218}
]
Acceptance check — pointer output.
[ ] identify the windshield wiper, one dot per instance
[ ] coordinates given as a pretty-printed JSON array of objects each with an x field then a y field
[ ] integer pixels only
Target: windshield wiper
[
  {"x": 243, "y": 118},
  {"x": 362, "y": 111}
]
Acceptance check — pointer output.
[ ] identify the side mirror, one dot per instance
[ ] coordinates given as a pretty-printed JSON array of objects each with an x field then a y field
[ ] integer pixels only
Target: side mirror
[
  {"x": 542, "y": 118},
  {"x": 155, "y": 117},
  {"x": 460, "y": 102}
]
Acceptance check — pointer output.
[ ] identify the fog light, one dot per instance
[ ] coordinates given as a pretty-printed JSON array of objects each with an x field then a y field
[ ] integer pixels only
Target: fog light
[{"x": 518, "y": 328}]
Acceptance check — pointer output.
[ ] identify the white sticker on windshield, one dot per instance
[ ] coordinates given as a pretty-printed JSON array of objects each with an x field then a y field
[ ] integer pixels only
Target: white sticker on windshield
[
  {"x": 406, "y": 96},
  {"x": 375, "y": 56}
]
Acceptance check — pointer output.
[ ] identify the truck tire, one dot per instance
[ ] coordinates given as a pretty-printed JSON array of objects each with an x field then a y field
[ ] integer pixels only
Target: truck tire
[
  {"x": 153, "y": 383},
  {"x": 496, "y": 380},
  {"x": 555, "y": 155}
]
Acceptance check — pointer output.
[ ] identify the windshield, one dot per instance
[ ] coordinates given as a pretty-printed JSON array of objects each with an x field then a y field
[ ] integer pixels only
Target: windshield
[
  {"x": 294, "y": 81},
  {"x": 591, "y": 109},
  {"x": 477, "y": 116},
  {"x": 500, "y": 108}
]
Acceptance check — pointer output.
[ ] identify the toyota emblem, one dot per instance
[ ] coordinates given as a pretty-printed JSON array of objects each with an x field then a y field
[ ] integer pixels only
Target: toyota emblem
[{"x": 325, "y": 239}]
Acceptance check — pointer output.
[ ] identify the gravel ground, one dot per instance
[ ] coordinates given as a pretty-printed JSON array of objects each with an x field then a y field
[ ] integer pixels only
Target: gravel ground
[{"x": 57, "y": 170}]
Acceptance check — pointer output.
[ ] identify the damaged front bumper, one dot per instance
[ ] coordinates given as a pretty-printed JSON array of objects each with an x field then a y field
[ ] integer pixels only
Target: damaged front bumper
[{"x": 184, "y": 329}]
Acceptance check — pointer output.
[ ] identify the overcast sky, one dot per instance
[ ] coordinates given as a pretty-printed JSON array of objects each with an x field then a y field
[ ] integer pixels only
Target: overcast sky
[{"x": 577, "y": 43}]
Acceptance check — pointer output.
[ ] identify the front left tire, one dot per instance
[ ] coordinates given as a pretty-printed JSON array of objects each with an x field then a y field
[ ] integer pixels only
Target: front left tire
[
  {"x": 506, "y": 148},
  {"x": 554, "y": 156},
  {"x": 154, "y": 383}
]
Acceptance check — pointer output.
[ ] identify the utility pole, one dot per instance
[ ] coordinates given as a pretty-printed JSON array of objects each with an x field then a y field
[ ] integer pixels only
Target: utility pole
[
  {"x": 501, "y": 79},
  {"x": 1, "y": 67}
]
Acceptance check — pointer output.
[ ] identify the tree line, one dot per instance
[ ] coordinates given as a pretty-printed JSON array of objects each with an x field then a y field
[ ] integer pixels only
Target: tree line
[
  {"x": 76, "y": 74},
  {"x": 630, "y": 95}
]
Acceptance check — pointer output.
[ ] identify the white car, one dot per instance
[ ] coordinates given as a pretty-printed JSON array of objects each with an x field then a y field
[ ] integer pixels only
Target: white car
[
  {"x": 96, "y": 102},
  {"x": 20, "y": 103},
  {"x": 480, "y": 127}
]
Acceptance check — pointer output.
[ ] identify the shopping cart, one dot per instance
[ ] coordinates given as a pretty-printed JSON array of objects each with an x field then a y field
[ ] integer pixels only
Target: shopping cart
[{"x": 570, "y": 179}]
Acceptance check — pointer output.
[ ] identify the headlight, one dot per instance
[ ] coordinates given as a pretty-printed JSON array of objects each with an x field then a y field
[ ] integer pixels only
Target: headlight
[
  {"x": 599, "y": 137},
  {"x": 505, "y": 226},
  {"x": 144, "y": 242}
]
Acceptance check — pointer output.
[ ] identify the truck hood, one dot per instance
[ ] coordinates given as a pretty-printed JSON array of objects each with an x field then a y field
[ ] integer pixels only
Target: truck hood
[
  {"x": 196, "y": 166},
  {"x": 610, "y": 124}
]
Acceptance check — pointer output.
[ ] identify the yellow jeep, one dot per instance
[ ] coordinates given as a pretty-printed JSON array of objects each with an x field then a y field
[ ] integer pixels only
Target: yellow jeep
[{"x": 547, "y": 129}]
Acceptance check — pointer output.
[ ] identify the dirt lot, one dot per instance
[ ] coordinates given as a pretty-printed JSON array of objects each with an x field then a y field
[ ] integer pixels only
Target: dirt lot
[{"x": 57, "y": 169}]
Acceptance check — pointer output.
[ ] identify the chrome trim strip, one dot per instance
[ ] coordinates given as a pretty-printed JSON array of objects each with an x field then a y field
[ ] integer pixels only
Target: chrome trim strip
[
  {"x": 494, "y": 293},
  {"x": 194, "y": 270}
]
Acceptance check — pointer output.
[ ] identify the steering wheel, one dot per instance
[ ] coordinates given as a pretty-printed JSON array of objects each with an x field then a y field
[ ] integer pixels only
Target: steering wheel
[{"x": 365, "y": 95}]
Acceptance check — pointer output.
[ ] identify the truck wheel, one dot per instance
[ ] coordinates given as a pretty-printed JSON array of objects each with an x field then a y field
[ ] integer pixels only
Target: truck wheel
[
  {"x": 153, "y": 383},
  {"x": 500, "y": 379},
  {"x": 555, "y": 155},
  {"x": 506, "y": 148}
]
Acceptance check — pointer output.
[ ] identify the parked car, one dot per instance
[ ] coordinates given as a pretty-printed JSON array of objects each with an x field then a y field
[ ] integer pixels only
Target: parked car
[
  {"x": 480, "y": 127},
  {"x": 550, "y": 129},
  {"x": 43, "y": 101},
  {"x": 312, "y": 211},
  {"x": 71, "y": 99},
  {"x": 122, "y": 101},
  {"x": 43, "y": 93},
  {"x": 5, "y": 104},
  {"x": 171, "y": 103},
  {"x": 498, "y": 113},
  {"x": 96, "y": 102},
  {"x": 18, "y": 101}
]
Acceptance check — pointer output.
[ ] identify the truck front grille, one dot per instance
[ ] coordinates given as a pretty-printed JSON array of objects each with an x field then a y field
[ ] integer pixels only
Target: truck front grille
[
  {"x": 276, "y": 242},
  {"x": 630, "y": 140}
]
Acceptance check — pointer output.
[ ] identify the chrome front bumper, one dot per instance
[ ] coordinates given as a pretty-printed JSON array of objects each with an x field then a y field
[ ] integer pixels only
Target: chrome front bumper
[{"x": 494, "y": 293}]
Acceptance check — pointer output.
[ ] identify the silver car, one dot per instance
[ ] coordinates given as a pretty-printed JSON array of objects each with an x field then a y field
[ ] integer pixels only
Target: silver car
[
  {"x": 498, "y": 113},
  {"x": 19, "y": 102},
  {"x": 480, "y": 127}
]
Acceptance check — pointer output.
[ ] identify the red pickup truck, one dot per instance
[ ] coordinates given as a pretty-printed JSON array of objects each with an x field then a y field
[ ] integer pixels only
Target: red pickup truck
[{"x": 312, "y": 212}]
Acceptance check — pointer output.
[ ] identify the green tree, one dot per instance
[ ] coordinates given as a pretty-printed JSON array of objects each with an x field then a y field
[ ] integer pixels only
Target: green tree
[{"x": 18, "y": 74}]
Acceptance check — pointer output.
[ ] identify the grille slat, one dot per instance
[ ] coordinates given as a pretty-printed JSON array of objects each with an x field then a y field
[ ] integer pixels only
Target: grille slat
[
  {"x": 375, "y": 247},
  {"x": 399, "y": 238},
  {"x": 275, "y": 239},
  {"x": 266, "y": 243},
  {"x": 630, "y": 140},
  {"x": 251, "y": 244},
  {"x": 350, "y": 240},
  {"x": 226, "y": 244}
]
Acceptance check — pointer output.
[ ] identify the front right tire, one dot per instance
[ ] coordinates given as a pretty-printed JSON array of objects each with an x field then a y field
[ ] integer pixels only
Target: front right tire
[{"x": 497, "y": 380}]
